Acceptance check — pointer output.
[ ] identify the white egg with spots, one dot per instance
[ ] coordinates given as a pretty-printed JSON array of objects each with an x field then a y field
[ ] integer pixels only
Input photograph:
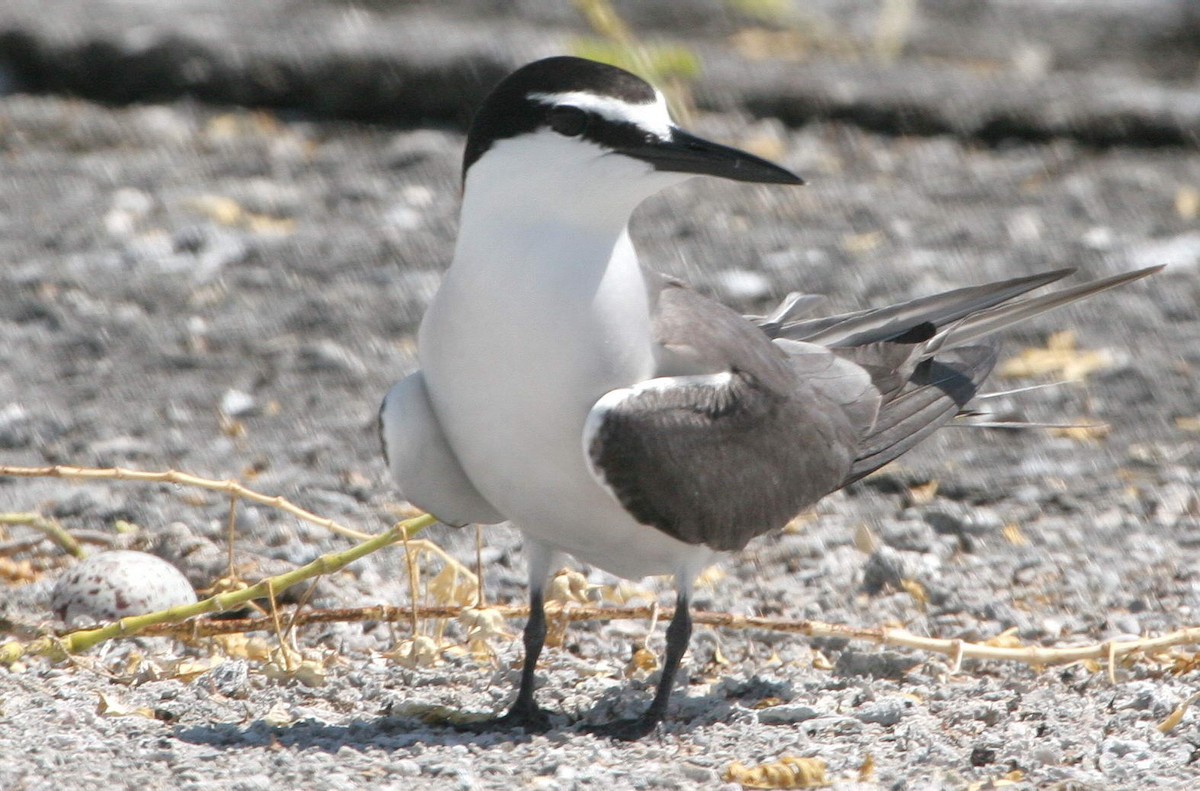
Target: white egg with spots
[{"x": 112, "y": 585}]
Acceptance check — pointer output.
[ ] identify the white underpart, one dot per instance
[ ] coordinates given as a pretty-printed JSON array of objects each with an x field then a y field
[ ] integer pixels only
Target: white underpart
[
  {"x": 543, "y": 311},
  {"x": 651, "y": 116},
  {"x": 422, "y": 464}
]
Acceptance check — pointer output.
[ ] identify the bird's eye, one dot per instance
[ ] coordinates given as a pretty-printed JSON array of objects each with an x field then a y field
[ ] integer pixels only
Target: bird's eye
[{"x": 568, "y": 120}]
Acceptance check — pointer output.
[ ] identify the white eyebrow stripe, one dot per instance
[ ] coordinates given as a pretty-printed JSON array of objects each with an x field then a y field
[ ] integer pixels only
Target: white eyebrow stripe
[{"x": 652, "y": 116}]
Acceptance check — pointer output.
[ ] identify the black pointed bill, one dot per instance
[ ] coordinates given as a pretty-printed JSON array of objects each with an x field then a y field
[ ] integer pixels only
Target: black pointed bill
[{"x": 685, "y": 153}]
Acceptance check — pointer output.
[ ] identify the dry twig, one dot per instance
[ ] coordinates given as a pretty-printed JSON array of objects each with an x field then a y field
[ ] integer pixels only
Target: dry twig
[
  {"x": 171, "y": 622},
  {"x": 229, "y": 487},
  {"x": 1110, "y": 653}
]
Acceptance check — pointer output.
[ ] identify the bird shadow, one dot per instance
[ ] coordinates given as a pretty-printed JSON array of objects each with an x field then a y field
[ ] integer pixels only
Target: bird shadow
[{"x": 390, "y": 732}]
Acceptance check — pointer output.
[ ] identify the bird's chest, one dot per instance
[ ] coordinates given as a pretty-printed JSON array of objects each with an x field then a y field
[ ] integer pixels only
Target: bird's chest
[{"x": 517, "y": 353}]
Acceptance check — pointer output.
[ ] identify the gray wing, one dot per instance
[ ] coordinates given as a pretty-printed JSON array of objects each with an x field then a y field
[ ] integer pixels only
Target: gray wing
[
  {"x": 739, "y": 438},
  {"x": 421, "y": 461},
  {"x": 752, "y": 421}
]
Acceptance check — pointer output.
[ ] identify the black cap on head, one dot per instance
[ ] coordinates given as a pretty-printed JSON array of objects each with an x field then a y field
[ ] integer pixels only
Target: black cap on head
[
  {"x": 628, "y": 122},
  {"x": 508, "y": 111}
]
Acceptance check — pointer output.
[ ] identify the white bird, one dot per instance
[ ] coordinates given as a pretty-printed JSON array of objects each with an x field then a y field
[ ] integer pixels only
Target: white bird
[{"x": 615, "y": 415}]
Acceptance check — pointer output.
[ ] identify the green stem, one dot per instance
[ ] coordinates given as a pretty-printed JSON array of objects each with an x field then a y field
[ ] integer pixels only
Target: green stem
[
  {"x": 50, "y": 528},
  {"x": 57, "y": 648}
]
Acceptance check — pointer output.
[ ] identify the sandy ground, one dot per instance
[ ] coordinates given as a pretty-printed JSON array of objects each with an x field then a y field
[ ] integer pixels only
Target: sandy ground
[{"x": 230, "y": 292}]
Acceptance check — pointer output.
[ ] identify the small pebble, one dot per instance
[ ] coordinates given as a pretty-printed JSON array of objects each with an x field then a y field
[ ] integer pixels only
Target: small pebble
[
  {"x": 787, "y": 714},
  {"x": 881, "y": 664},
  {"x": 236, "y": 403},
  {"x": 742, "y": 285},
  {"x": 885, "y": 712}
]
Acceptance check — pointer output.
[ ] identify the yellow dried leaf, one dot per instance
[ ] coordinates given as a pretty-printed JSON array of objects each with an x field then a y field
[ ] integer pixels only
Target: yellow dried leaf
[
  {"x": 232, "y": 428},
  {"x": 225, "y": 125},
  {"x": 1006, "y": 639},
  {"x": 1191, "y": 424},
  {"x": 266, "y": 224},
  {"x": 787, "y": 772},
  {"x": 866, "y": 771},
  {"x": 865, "y": 540},
  {"x": 421, "y": 651},
  {"x": 17, "y": 572},
  {"x": 288, "y": 664},
  {"x": 310, "y": 673},
  {"x": 1013, "y": 778},
  {"x": 624, "y": 592},
  {"x": 484, "y": 624},
  {"x": 767, "y": 703},
  {"x": 568, "y": 586},
  {"x": 188, "y": 669},
  {"x": 989, "y": 785},
  {"x": 226, "y": 211},
  {"x": 799, "y": 522},
  {"x": 218, "y": 208},
  {"x": 1187, "y": 202},
  {"x": 482, "y": 627},
  {"x": 917, "y": 591},
  {"x": 1087, "y": 433},
  {"x": 923, "y": 493},
  {"x": 821, "y": 662},
  {"x": 1013, "y": 535},
  {"x": 763, "y": 44},
  {"x": 643, "y": 661},
  {"x": 111, "y": 707},
  {"x": 224, "y": 585},
  {"x": 279, "y": 716},
  {"x": 767, "y": 146},
  {"x": 859, "y": 243},
  {"x": 1175, "y": 717},
  {"x": 1185, "y": 663},
  {"x": 1060, "y": 358},
  {"x": 239, "y": 646},
  {"x": 710, "y": 577},
  {"x": 452, "y": 586}
]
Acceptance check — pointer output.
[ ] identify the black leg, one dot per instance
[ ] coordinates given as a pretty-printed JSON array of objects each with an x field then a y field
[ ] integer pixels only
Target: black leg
[
  {"x": 679, "y": 633},
  {"x": 525, "y": 712}
]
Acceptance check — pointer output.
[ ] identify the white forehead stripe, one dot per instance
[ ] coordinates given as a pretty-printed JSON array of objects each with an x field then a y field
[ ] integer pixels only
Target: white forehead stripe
[{"x": 653, "y": 116}]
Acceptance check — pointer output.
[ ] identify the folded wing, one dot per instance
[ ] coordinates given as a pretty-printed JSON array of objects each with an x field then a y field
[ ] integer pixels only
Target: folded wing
[{"x": 751, "y": 421}]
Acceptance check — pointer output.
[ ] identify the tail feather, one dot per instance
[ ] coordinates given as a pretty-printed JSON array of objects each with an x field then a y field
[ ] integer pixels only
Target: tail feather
[
  {"x": 936, "y": 392},
  {"x": 882, "y": 324},
  {"x": 927, "y": 357},
  {"x": 1000, "y": 317}
]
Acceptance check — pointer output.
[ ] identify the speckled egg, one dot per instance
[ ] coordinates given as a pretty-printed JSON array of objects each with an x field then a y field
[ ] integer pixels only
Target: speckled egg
[{"x": 112, "y": 585}]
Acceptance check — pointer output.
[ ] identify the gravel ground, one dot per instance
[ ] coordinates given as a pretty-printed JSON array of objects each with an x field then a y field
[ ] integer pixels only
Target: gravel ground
[{"x": 230, "y": 292}]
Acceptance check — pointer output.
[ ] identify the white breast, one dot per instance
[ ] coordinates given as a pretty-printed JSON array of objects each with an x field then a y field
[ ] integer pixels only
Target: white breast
[{"x": 523, "y": 337}]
